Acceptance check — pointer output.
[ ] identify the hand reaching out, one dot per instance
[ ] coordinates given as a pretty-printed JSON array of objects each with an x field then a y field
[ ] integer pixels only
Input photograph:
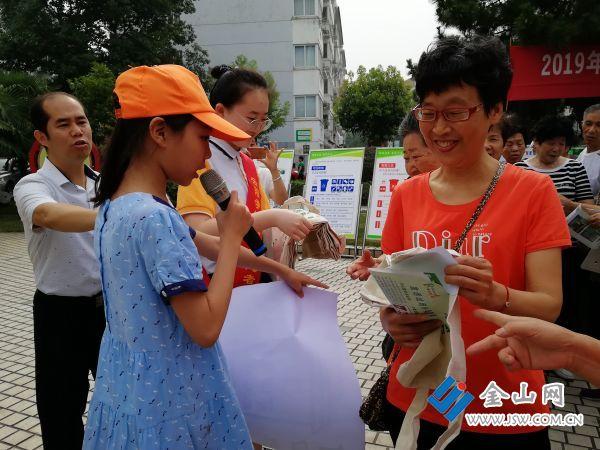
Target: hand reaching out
[
  {"x": 272, "y": 157},
  {"x": 526, "y": 343},
  {"x": 359, "y": 269},
  {"x": 297, "y": 280}
]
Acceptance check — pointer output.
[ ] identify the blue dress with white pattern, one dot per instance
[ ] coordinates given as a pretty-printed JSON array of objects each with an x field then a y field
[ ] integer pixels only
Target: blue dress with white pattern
[{"x": 155, "y": 388}]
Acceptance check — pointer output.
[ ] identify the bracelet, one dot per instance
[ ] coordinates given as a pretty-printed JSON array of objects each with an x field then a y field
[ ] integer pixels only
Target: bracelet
[
  {"x": 277, "y": 179},
  {"x": 507, "y": 302}
]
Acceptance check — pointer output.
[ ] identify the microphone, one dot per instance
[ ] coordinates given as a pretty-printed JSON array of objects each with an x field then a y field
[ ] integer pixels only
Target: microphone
[{"x": 217, "y": 189}]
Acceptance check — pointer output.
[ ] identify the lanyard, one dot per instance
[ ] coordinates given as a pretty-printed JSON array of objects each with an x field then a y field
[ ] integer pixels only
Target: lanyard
[
  {"x": 231, "y": 158},
  {"x": 221, "y": 149}
]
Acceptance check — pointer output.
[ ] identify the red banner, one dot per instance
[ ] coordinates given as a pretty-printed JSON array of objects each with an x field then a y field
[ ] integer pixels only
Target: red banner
[{"x": 542, "y": 73}]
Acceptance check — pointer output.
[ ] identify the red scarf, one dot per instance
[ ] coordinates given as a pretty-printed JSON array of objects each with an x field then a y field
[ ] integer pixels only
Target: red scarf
[{"x": 245, "y": 276}]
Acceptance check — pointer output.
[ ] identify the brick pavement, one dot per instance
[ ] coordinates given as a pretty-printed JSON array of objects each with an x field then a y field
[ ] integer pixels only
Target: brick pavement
[{"x": 19, "y": 427}]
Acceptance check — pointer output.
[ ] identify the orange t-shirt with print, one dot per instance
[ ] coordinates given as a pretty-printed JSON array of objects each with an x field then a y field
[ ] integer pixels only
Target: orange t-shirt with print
[{"x": 523, "y": 215}]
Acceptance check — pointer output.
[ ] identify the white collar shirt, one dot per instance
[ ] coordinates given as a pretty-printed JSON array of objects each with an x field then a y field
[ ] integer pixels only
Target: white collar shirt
[
  {"x": 227, "y": 162},
  {"x": 591, "y": 162},
  {"x": 64, "y": 264}
]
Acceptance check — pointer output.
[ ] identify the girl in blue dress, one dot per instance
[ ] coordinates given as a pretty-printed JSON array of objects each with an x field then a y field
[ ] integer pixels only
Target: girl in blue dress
[{"x": 162, "y": 382}]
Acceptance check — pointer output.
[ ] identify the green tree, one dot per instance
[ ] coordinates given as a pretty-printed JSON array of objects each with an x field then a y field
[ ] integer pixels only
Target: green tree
[
  {"x": 63, "y": 38},
  {"x": 17, "y": 90},
  {"x": 526, "y": 22},
  {"x": 374, "y": 104},
  {"x": 95, "y": 90},
  {"x": 555, "y": 24},
  {"x": 278, "y": 112},
  {"x": 354, "y": 140},
  {"x": 195, "y": 58}
]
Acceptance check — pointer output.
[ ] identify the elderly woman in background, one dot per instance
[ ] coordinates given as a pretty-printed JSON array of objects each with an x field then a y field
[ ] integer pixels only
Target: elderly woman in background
[
  {"x": 514, "y": 139},
  {"x": 417, "y": 156},
  {"x": 552, "y": 135},
  {"x": 494, "y": 141}
]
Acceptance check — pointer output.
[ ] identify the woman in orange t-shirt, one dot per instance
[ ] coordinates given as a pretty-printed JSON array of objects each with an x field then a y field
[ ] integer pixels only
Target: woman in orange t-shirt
[{"x": 511, "y": 257}]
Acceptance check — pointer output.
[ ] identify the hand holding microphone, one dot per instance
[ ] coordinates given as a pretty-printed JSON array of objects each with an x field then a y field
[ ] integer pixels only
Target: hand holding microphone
[
  {"x": 235, "y": 222},
  {"x": 217, "y": 189}
]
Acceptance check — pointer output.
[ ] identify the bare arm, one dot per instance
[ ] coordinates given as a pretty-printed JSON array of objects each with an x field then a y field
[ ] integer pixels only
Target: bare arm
[
  {"x": 208, "y": 246},
  {"x": 203, "y": 314},
  {"x": 64, "y": 217},
  {"x": 528, "y": 343},
  {"x": 543, "y": 284},
  {"x": 542, "y": 297},
  {"x": 287, "y": 221},
  {"x": 586, "y": 358},
  {"x": 570, "y": 205},
  {"x": 279, "y": 194},
  {"x": 206, "y": 224}
]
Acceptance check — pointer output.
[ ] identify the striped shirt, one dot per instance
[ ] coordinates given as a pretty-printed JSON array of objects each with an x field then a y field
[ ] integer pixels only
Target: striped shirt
[{"x": 570, "y": 179}]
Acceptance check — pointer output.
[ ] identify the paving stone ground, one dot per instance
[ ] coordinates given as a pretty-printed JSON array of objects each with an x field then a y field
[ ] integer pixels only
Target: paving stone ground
[{"x": 19, "y": 426}]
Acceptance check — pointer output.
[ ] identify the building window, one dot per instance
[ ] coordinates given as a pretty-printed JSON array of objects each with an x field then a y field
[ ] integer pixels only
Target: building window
[
  {"x": 324, "y": 14},
  {"x": 305, "y": 56},
  {"x": 325, "y": 50},
  {"x": 305, "y": 106},
  {"x": 325, "y": 86},
  {"x": 304, "y": 7}
]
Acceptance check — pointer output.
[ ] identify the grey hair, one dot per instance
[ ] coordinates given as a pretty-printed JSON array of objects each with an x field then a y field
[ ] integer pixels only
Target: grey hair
[{"x": 592, "y": 109}]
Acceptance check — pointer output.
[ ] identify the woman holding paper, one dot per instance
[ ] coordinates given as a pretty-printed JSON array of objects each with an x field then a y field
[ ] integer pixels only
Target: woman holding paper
[
  {"x": 510, "y": 260},
  {"x": 552, "y": 136},
  {"x": 594, "y": 212},
  {"x": 241, "y": 97}
]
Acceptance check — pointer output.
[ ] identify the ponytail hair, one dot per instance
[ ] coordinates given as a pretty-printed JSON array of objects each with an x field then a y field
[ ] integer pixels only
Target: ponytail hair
[
  {"x": 233, "y": 83},
  {"x": 126, "y": 142}
]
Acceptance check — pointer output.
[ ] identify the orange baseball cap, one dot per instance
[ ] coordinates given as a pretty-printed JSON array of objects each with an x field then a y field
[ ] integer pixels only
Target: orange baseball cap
[{"x": 168, "y": 90}]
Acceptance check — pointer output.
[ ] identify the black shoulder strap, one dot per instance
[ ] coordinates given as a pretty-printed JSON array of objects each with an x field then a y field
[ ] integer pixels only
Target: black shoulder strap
[{"x": 221, "y": 149}]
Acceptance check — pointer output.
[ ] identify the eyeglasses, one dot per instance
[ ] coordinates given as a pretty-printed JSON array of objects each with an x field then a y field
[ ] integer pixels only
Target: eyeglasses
[
  {"x": 450, "y": 114},
  {"x": 257, "y": 124}
]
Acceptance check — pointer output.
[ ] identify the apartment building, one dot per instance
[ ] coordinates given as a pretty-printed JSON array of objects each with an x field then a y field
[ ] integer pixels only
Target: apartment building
[{"x": 300, "y": 42}]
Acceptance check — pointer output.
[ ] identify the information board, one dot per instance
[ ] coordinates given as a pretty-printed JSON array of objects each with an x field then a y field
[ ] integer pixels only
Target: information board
[
  {"x": 333, "y": 185},
  {"x": 388, "y": 171},
  {"x": 284, "y": 164}
]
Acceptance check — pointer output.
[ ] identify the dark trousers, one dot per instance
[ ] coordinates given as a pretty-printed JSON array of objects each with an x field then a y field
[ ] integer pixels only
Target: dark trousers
[
  {"x": 67, "y": 335},
  {"x": 430, "y": 432},
  {"x": 580, "y": 308}
]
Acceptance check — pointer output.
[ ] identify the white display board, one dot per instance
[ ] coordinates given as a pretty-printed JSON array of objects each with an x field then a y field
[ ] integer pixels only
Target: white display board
[
  {"x": 388, "y": 171},
  {"x": 285, "y": 164},
  {"x": 333, "y": 180}
]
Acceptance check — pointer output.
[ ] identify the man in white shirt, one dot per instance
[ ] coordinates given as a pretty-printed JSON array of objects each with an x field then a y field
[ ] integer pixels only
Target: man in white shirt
[
  {"x": 590, "y": 156},
  {"x": 56, "y": 207}
]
